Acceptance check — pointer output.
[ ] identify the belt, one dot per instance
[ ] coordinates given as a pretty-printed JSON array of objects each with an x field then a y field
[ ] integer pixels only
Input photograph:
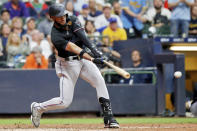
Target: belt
[
  {"x": 69, "y": 58},
  {"x": 72, "y": 58}
]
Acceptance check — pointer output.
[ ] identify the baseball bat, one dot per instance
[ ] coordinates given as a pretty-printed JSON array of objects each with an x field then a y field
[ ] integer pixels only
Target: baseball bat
[{"x": 120, "y": 71}]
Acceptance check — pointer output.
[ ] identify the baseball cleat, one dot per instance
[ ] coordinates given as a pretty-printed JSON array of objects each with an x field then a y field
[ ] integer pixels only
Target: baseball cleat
[
  {"x": 111, "y": 123},
  {"x": 35, "y": 115}
]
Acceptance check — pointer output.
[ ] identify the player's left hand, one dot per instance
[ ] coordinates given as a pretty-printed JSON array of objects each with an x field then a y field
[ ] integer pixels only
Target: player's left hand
[
  {"x": 96, "y": 53},
  {"x": 98, "y": 60}
]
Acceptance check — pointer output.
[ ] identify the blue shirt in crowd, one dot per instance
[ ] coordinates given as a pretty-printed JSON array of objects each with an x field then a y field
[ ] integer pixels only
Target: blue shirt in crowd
[
  {"x": 21, "y": 11},
  {"x": 97, "y": 13},
  {"x": 135, "y": 6},
  {"x": 180, "y": 12}
]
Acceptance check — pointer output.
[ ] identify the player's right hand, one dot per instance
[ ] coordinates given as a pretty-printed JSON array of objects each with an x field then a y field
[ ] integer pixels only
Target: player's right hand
[{"x": 98, "y": 60}]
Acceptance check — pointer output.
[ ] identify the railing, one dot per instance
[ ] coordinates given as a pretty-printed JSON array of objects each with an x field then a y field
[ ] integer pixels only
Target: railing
[{"x": 142, "y": 70}]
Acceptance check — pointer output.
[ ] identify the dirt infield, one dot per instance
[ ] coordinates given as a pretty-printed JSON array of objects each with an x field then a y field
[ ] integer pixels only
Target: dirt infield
[{"x": 99, "y": 127}]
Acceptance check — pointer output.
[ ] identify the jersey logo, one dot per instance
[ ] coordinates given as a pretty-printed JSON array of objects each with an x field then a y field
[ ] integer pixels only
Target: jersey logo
[{"x": 69, "y": 23}]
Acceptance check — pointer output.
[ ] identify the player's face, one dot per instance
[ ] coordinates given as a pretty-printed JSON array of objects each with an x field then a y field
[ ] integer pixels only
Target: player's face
[{"x": 61, "y": 20}]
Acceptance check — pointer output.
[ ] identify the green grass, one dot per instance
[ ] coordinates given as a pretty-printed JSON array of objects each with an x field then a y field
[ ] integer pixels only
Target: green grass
[{"x": 99, "y": 120}]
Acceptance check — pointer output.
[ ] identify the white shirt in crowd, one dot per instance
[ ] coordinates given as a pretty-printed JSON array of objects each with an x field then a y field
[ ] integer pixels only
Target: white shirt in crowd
[
  {"x": 78, "y": 5},
  {"x": 44, "y": 45},
  {"x": 152, "y": 12},
  {"x": 82, "y": 20},
  {"x": 101, "y": 21}
]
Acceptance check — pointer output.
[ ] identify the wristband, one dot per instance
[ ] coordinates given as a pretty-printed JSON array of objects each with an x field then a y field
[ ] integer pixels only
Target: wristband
[{"x": 81, "y": 53}]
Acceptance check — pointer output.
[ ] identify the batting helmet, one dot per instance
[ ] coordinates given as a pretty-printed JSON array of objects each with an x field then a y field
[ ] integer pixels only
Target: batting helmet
[{"x": 57, "y": 10}]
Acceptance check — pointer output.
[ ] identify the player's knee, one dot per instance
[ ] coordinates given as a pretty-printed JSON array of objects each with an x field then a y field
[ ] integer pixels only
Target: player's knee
[
  {"x": 98, "y": 81},
  {"x": 66, "y": 103}
]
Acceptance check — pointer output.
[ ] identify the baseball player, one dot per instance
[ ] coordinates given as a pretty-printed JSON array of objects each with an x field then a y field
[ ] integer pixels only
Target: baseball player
[{"x": 69, "y": 39}]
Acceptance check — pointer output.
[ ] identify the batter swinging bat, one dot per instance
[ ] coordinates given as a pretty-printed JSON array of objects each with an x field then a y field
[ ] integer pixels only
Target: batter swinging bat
[{"x": 120, "y": 71}]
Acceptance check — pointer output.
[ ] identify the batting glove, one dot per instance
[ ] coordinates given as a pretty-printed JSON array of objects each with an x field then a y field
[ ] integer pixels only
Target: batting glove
[
  {"x": 98, "y": 60},
  {"x": 96, "y": 53}
]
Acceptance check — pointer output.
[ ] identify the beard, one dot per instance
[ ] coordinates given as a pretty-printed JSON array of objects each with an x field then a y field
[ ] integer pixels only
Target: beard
[
  {"x": 116, "y": 12},
  {"x": 158, "y": 8}
]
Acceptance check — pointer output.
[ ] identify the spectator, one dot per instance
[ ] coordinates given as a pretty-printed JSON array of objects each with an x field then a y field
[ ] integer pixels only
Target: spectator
[
  {"x": 36, "y": 60},
  {"x": 45, "y": 25},
  {"x": 114, "y": 32},
  {"x": 99, "y": 5},
  {"x": 85, "y": 15},
  {"x": 132, "y": 13},
  {"x": 137, "y": 63},
  {"x": 136, "y": 59},
  {"x": 93, "y": 10},
  {"x": 159, "y": 17},
  {"x": 117, "y": 8},
  {"x": 37, "y": 40},
  {"x": 193, "y": 22},
  {"x": 166, "y": 4},
  {"x": 77, "y": 4},
  {"x": 158, "y": 14},
  {"x": 5, "y": 31},
  {"x": 15, "y": 49},
  {"x": 16, "y": 8},
  {"x": 91, "y": 31},
  {"x": 70, "y": 8},
  {"x": 5, "y": 16},
  {"x": 3, "y": 1},
  {"x": 31, "y": 25},
  {"x": 101, "y": 22},
  {"x": 180, "y": 16},
  {"x": 36, "y": 8},
  {"x": 17, "y": 26}
]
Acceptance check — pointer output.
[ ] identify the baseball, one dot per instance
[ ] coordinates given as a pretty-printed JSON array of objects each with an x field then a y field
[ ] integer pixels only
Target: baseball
[{"x": 177, "y": 74}]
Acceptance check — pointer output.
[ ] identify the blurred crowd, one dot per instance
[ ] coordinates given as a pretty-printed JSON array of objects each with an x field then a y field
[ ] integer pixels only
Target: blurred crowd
[{"x": 25, "y": 26}]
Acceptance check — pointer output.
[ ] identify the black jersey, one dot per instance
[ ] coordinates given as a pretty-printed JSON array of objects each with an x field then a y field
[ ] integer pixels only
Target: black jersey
[{"x": 62, "y": 34}]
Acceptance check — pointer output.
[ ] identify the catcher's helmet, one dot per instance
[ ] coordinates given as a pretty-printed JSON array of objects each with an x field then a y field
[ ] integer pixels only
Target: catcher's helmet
[{"x": 57, "y": 10}]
